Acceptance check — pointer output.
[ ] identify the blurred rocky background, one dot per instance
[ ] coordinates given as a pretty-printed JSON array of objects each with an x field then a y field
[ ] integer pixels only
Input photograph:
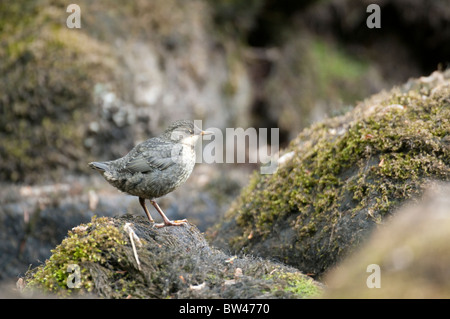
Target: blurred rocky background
[
  {"x": 70, "y": 96},
  {"x": 411, "y": 250}
]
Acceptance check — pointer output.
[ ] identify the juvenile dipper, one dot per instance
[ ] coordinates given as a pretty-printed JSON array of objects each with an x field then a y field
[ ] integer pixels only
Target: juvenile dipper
[{"x": 155, "y": 167}]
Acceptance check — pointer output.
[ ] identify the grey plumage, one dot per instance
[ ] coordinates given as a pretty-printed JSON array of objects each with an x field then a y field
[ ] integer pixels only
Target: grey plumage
[{"x": 155, "y": 167}]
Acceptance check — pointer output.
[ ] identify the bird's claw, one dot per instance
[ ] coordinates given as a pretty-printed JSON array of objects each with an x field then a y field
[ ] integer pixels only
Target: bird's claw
[{"x": 171, "y": 223}]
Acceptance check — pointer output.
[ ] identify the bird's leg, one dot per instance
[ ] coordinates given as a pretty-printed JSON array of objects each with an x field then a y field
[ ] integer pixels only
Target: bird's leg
[
  {"x": 167, "y": 222},
  {"x": 142, "y": 202}
]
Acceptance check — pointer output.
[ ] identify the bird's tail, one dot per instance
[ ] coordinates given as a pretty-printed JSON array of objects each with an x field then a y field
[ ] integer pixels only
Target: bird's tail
[{"x": 99, "y": 166}]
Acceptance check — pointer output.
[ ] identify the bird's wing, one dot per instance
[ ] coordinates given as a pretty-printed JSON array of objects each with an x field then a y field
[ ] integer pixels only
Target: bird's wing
[
  {"x": 161, "y": 157},
  {"x": 148, "y": 163}
]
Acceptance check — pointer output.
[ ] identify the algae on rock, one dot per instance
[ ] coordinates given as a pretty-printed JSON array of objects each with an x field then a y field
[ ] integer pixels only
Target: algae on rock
[{"x": 347, "y": 174}]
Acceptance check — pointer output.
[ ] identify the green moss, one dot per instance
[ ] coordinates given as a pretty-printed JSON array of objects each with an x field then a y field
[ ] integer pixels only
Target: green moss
[
  {"x": 174, "y": 263},
  {"x": 338, "y": 64},
  {"x": 347, "y": 174},
  {"x": 332, "y": 65},
  {"x": 47, "y": 75},
  {"x": 96, "y": 242},
  {"x": 298, "y": 284}
]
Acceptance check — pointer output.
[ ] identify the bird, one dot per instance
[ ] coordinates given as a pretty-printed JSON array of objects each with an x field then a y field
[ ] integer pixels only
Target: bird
[{"x": 155, "y": 167}]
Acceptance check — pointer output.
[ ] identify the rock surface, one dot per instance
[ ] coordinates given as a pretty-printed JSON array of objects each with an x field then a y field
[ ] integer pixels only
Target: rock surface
[{"x": 411, "y": 250}]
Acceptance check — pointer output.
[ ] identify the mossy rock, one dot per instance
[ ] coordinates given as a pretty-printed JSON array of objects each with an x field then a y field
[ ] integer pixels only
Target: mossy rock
[
  {"x": 342, "y": 177},
  {"x": 46, "y": 86},
  {"x": 174, "y": 262}
]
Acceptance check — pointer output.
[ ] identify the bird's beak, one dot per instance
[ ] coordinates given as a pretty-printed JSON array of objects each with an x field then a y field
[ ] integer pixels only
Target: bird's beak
[
  {"x": 206, "y": 133},
  {"x": 199, "y": 131}
]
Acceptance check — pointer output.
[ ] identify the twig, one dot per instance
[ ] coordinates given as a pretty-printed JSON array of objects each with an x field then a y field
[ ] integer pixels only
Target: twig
[{"x": 133, "y": 235}]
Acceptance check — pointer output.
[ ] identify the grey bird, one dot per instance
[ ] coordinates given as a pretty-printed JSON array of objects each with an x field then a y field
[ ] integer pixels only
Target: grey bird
[{"x": 155, "y": 167}]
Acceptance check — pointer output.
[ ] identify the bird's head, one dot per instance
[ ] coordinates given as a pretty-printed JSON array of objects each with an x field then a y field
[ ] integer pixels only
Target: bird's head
[{"x": 184, "y": 131}]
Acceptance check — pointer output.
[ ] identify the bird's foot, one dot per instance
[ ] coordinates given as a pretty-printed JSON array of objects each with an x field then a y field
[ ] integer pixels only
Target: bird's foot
[{"x": 171, "y": 223}]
